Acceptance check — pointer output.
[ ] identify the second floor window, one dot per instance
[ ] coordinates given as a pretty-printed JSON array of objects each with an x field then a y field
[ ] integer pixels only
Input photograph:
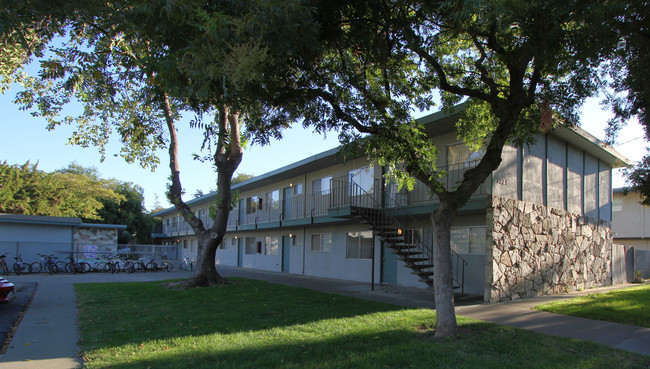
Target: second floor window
[
  {"x": 320, "y": 186},
  {"x": 297, "y": 189},
  {"x": 273, "y": 200},
  {"x": 251, "y": 205},
  {"x": 459, "y": 153},
  {"x": 364, "y": 177}
]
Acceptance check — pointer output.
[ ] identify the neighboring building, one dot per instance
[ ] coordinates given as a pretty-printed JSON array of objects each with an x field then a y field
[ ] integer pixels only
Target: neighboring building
[
  {"x": 540, "y": 224},
  {"x": 631, "y": 227},
  {"x": 30, "y": 235}
]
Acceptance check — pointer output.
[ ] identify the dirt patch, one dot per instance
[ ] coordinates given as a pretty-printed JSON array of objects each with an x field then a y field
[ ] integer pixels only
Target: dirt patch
[{"x": 427, "y": 331}]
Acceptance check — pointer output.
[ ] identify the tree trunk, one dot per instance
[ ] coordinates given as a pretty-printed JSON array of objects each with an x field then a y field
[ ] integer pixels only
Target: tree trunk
[
  {"x": 443, "y": 273},
  {"x": 227, "y": 159},
  {"x": 206, "y": 274}
]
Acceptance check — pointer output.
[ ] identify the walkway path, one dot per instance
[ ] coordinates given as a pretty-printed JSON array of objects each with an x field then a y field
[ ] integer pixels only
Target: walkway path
[
  {"x": 47, "y": 336},
  {"x": 519, "y": 314}
]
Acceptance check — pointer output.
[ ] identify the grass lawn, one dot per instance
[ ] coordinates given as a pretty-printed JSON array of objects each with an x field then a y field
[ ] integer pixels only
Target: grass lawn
[
  {"x": 627, "y": 306},
  {"x": 254, "y": 324}
]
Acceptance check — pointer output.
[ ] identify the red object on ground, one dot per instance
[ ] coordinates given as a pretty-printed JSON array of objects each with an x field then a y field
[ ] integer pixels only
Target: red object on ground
[{"x": 5, "y": 289}]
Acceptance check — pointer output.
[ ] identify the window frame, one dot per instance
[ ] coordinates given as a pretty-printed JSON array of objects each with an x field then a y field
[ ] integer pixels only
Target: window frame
[
  {"x": 355, "y": 249},
  {"x": 365, "y": 178},
  {"x": 272, "y": 245},
  {"x": 324, "y": 242},
  {"x": 467, "y": 155},
  {"x": 250, "y": 247}
]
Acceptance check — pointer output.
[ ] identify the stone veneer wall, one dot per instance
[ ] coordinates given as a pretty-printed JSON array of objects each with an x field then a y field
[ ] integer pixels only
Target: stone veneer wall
[
  {"x": 534, "y": 250},
  {"x": 104, "y": 239}
]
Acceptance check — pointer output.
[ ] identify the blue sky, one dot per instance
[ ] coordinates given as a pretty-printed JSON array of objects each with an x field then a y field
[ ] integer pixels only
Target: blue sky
[{"x": 26, "y": 138}]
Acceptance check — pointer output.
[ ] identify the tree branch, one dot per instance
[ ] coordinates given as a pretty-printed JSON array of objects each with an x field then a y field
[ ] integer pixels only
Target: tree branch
[
  {"x": 176, "y": 189},
  {"x": 413, "y": 42},
  {"x": 485, "y": 76}
]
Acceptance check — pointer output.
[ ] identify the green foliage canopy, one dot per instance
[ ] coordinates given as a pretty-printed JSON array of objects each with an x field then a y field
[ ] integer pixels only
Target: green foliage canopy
[{"x": 27, "y": 190}]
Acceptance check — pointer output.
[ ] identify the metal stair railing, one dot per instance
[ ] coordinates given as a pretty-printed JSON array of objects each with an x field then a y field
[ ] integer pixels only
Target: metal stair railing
[
  {"x": 427, "y": 234},
  {"x": 346, "y": 192}
]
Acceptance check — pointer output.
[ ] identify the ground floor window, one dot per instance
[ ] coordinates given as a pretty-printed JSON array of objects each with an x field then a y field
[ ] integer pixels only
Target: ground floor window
[
  {"x": 271, "y": 245},
  {"x": 321, "y": 242},
  {"x": 413, "y": 236},
  {"x": 468, "y": 240},
  {"x": 250, "y": 245},
  {"x": 359, "y": 245}
]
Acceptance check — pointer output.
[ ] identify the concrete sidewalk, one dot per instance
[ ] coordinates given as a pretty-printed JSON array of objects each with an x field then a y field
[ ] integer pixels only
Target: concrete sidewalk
[
  {"x": 517, "y": 314},
  {"x": 47, "y": 336}
]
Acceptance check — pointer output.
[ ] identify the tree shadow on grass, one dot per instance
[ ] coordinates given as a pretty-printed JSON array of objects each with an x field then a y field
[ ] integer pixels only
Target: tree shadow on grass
[
  {"x": 484, "y": 345},
  {"x": 131, "y": 313}
]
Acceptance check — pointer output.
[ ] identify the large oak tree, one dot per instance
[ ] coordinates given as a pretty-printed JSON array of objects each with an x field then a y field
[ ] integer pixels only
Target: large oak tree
[
  {"x": 135, "y": 68},
  {"x": 521, "y": 66}
]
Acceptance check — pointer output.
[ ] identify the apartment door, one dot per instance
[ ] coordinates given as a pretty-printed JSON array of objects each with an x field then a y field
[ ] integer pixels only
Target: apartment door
[
  {"x": 287, "y": 194},
  {"x": 388, "y": 266},
  {"x": 240, "y": 252},
  {"x": 286, "y": 253}
]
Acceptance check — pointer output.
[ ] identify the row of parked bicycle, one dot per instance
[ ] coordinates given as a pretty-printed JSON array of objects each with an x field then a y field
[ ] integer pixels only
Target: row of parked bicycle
[{"x": 50, "y": 264}]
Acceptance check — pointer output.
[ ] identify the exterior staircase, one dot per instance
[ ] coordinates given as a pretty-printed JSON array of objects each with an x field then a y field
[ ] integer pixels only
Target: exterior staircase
[{"x": 397, "y": 230}]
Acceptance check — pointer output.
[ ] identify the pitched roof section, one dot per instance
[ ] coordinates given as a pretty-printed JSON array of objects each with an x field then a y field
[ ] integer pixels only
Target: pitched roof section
[
  {"x": 590, "y": 144},
  {"x": 436, "y": 123},
  {"x": 59, "y": 221}
]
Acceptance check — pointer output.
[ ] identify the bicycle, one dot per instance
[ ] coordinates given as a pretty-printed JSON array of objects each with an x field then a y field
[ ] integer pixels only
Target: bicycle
[
  {"x": 38, "y": 265},
  {"x": 126, "y": 265},
  {"x": 186, "y": 264},
  {"x": 74, "y": 267},
  {"x": 20, "y": 267},
  {"x": 118, "y": 264},
  {"x": 166, "y": 264},
  {"x": 152, "y": 265},
  {"x": 4, "y": 269},
  {"x": 45, "y": 264},
  {"x": 113, "y": 265},
  {"x": 140, "y": 265}
]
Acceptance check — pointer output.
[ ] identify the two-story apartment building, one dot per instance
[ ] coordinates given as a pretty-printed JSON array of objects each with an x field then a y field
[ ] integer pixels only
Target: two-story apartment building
[
  {"x": 631, "y": 227},
  {"x": 540, "y": 224}
]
